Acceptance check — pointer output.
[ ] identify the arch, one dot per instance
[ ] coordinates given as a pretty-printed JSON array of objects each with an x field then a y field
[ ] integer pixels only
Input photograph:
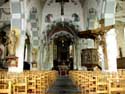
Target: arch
[{"x": 62, "y": 27}]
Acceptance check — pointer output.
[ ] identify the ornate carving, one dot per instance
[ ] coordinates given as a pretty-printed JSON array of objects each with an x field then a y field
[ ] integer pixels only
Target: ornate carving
[
  {"x": 13, "y": 39},
  {"x": 89, "y": 57}
]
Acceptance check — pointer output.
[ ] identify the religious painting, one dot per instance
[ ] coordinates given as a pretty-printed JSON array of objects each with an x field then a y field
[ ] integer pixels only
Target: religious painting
[
  {"x": 48, "y": 18},
  {"x": 75, "y": 17}
]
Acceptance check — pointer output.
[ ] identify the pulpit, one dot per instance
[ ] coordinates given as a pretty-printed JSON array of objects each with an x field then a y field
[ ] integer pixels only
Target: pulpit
[{"x": 89, "y": 58}]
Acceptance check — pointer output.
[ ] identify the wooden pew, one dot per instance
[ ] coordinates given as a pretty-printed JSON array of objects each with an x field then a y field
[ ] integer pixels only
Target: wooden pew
[
  {"x": 5, "y": 86},
  {"x": 117, "y": 84},
  {"x": 28, "y": 82},
  {"x": 97, "y": 82},
  {"x": 20, "y": 85}
]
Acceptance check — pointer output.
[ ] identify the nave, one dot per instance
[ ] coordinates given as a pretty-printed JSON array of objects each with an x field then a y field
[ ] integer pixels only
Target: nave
[{"x": 63, "y": 85}]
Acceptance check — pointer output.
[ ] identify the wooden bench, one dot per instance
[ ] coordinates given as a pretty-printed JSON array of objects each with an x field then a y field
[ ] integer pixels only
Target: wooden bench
[{"x": 97, "y": 82}]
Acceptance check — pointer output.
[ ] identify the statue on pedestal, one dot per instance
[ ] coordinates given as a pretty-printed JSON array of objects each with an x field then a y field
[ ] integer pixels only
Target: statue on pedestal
[
  {"x": 13, "y": 38},
  {"x": 12, "y": 43},
  {"x": 34, "y": 57}
]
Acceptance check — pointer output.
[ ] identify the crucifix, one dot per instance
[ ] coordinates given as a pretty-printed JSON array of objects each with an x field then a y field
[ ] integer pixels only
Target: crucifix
[
  {"x": 103, "y": 30},
  {"x": 62, "y": 5}
]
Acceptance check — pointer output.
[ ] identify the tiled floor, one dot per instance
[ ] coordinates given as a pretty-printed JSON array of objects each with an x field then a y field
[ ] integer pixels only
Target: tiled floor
[{"x": 63, "y": 85}]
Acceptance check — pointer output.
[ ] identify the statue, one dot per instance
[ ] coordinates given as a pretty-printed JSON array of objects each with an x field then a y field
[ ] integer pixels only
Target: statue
[
  {"x": 34, "y": 54},
  {"x": 13, "y": 38},
  {"x": 34, "y": 58},
  {"x": 12, "y": 43}
]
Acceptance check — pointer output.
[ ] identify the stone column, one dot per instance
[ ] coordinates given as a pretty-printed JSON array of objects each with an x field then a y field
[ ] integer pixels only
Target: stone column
[
  {"x": 104, "y": 47},
  {"x": 75, "y": 56},
  {"x": 103, "y": 42},
  {"x": 79, "y": 55},
  {"x": 111, "y": 49},
  {"x": 18, "y": 25},
  {"x": 50, "y": 56}
]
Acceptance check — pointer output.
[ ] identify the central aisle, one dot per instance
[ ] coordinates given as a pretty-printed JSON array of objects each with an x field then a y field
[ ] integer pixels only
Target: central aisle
[{"x": 63, "y": 85}]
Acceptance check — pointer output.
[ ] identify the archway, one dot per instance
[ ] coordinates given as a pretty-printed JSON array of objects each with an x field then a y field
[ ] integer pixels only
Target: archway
[
  {"x": 63, "y": 49},
  {"x": 63, "y": 35}
]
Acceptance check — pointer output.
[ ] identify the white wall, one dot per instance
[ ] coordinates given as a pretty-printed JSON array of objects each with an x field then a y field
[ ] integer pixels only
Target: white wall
[{"x": 111, "y": 50}]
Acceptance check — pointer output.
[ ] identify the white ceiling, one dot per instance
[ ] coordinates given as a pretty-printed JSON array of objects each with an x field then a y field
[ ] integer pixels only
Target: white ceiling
[{"x": 120, "y": 14}]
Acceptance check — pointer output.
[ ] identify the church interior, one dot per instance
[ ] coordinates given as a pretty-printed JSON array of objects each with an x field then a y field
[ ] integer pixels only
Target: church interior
[{"x": 62, "y": 46}]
